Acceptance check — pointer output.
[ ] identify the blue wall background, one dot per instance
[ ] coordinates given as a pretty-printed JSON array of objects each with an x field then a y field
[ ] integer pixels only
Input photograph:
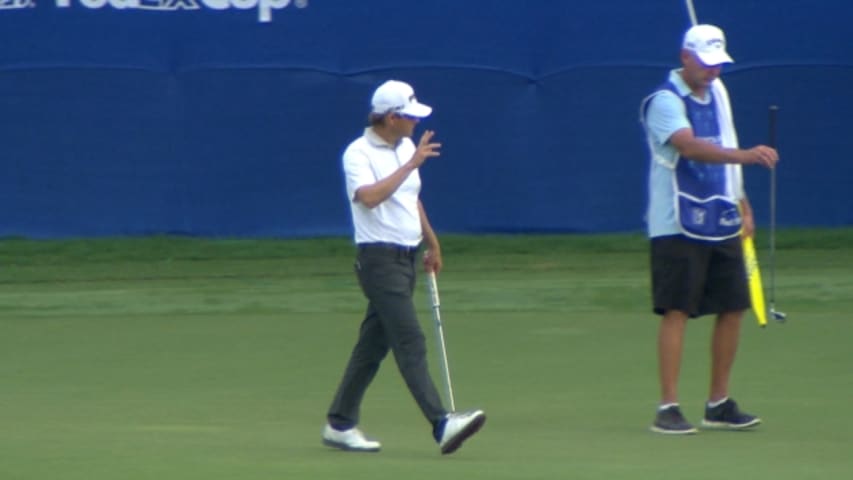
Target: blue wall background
[{"x": 131, "y": 121}]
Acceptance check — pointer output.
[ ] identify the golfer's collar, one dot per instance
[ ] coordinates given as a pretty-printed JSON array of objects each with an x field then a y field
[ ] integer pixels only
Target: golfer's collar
[{"x": 376, "y": 140}]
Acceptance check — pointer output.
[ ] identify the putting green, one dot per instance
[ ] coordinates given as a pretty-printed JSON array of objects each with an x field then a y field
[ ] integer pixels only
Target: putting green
[{"x": 175, "y": 358}]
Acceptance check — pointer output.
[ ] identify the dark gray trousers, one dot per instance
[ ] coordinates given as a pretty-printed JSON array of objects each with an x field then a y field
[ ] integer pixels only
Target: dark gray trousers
[{"x": 387, "y": 278}]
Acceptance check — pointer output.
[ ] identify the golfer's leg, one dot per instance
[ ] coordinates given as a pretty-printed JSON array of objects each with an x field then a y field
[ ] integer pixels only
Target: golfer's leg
[
  {"x": 364, "y": 362},
  {"x": 670, "y": 347},
  {"x": 406, "y": 339},
  {"x": 724, "y": 343}
]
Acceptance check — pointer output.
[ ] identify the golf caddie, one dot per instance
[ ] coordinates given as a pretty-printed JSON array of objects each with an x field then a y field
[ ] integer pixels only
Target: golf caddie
[
  {"x": 696, "y": 213},
  {"x": 390, "y": 223}
]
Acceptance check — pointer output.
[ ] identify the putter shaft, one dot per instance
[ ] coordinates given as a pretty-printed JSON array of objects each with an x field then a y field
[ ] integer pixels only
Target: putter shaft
[{"x": 439, "y": 333}]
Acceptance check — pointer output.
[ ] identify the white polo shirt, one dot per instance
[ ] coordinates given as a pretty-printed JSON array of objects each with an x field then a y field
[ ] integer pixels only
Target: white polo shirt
[{"x": 367, "y": 160}]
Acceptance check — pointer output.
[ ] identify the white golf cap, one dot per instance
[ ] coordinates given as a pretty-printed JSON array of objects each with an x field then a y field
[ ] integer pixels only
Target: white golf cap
[
  {"x": 395, "y": 96},
  {"x": 708, "y": 43}
]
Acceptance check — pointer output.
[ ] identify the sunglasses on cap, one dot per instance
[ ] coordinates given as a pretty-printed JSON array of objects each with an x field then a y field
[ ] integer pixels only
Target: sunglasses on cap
[{"x": 404, "y": 116}]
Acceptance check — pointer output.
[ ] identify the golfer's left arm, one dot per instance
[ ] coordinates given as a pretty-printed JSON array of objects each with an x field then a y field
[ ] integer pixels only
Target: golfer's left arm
[
  {"x": 748, "y": 225},
  {"x": 432, "y": 255}
]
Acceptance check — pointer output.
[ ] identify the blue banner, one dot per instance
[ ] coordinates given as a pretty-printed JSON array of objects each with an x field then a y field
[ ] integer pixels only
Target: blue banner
[{"x": 228, "y": 117}]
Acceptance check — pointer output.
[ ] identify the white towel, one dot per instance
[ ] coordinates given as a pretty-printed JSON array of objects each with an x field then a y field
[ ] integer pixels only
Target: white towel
[{"x": 728, "y": 137}]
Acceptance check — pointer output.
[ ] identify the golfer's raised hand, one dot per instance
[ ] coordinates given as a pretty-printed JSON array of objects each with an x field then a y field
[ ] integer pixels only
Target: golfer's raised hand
[{"x": 426, "y": 149}]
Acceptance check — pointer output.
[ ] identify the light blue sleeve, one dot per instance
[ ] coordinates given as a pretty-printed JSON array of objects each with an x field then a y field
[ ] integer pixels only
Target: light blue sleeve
[{"x": 666, "y": 114}]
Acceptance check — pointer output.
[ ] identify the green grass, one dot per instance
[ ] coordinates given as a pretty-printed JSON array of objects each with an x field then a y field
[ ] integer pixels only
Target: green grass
[{"x": 176, "y": 358}]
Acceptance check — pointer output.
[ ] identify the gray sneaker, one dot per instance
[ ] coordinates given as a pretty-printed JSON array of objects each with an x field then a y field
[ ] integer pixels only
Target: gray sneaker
[
  {"x": 670, "y": 421},
  {"x": 728, "y": 416}
]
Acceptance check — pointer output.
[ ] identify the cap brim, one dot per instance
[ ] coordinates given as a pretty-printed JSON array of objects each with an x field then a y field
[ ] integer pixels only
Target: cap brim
[
  {"x": 417, "y": 110},
  {"x": 712, "y": 59}
]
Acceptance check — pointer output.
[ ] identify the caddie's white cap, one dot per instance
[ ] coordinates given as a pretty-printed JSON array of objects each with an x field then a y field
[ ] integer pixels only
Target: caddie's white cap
[
  {"x": 708, "y": 43},
  {"x": 395, "y": 96}
]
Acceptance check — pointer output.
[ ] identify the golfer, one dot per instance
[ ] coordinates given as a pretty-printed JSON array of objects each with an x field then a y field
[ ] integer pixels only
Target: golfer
[
  {"x": 383, "y": 184},
  {"x": 697, "y": 210}
]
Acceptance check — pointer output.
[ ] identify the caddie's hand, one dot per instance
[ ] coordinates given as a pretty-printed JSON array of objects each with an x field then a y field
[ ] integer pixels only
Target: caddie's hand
[
  {"x": 748, "y": 226},
  {"x": 432, "y": 261},
  {"x": 762, "y": 155},
  {"x": 426, "y": 149}
]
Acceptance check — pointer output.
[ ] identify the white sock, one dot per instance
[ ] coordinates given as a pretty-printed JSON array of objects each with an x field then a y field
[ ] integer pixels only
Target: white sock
[
  {"x": 664, "y": 406},
  {"x": 718, "y": 402}
]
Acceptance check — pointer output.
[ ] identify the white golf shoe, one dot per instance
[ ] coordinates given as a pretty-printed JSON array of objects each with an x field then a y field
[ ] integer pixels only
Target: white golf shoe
[
  {"x": 351, "y": 440},
  {"x": 458, "y": 427}
]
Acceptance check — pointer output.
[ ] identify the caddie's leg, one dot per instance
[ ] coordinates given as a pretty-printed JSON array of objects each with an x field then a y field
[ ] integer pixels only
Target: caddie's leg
[
  {"x": 670, "y": 348},
  {"x": 727, "y": 292},
  {"x": 724, "y": 343}
]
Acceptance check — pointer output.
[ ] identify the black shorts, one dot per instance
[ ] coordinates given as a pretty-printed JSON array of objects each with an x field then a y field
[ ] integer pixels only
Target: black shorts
[{"x": 697, "y": 277}]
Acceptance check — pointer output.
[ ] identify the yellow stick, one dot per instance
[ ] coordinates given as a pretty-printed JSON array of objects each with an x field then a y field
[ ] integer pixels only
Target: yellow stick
[{"x": 753, "y": 274}]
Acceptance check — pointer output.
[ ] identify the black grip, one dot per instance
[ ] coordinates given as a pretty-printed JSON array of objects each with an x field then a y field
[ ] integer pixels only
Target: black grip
[{"x": 771, "y": 125}]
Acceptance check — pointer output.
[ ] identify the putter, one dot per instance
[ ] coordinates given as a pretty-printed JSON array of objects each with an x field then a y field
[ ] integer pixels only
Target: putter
[
  {"x": 439, "y": 333},
  {"x": 776, "y": 314}
]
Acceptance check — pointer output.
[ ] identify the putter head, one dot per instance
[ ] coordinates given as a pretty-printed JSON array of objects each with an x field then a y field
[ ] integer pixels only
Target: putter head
[{"x": 777, "y": 315}]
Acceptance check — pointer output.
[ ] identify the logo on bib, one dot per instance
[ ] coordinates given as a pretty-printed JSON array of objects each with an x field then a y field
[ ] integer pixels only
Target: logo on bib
[
  {"x": 698, "y": 215},
  {"x": 730, "y": 218}
]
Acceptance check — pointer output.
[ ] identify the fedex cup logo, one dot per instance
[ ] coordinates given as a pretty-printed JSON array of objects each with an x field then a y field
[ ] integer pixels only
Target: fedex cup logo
[
  {"x": 264, "y": 7},
  {"x": 11, "y": 4}
]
